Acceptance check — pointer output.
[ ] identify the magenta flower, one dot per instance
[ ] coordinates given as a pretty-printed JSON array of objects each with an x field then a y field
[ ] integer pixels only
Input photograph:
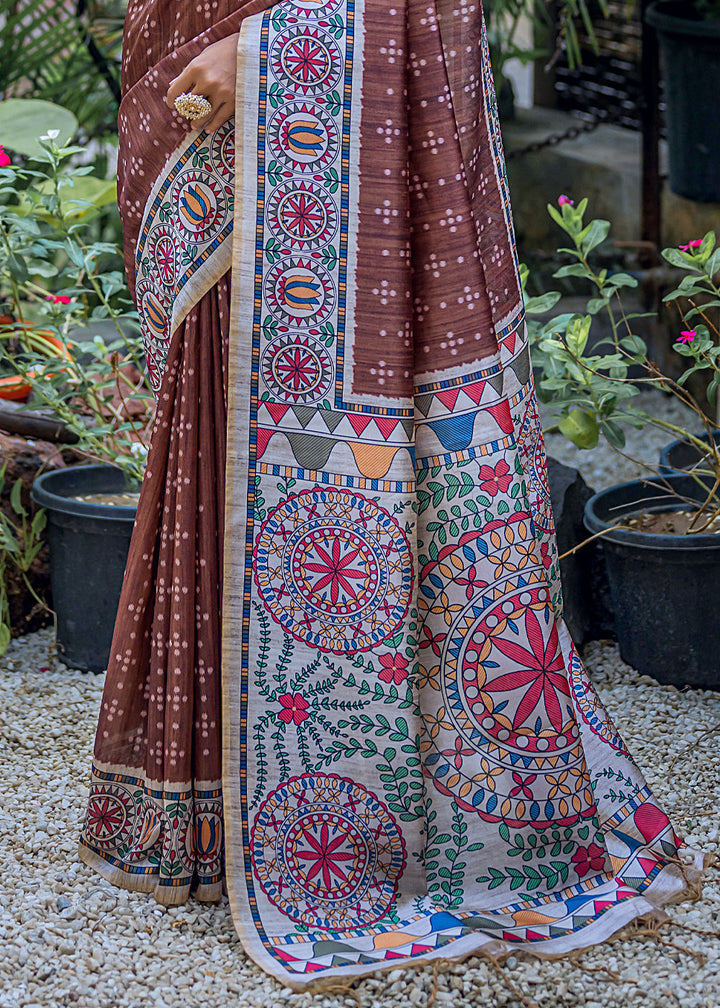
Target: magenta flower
[
  {"x": 58, "y": 299},
  {"x": 565, "y": 201},
  {"x": 687, "y": 337},
  {"x": 694, "y": 244},
  {"x": 4, "y": 159}
]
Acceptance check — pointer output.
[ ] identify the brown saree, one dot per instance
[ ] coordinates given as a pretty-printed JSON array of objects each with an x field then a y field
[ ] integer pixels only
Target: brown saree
[{"x": 346, "y": 496}]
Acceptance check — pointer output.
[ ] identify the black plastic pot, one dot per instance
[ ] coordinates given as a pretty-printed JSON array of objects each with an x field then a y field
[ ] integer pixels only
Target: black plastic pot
[
  {"x": 664, "y": 588},
  {"x": 88, "y": 552},
  {"x": 690, "y": 55},
  {"x": 679, "y": 456}
]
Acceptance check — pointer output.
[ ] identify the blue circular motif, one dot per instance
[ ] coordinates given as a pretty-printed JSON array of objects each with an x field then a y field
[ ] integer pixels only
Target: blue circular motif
[
  {"x": 307, "y": 60},
  {"x": 327, "y": 852},
  {"x": 334, "y": 569}
]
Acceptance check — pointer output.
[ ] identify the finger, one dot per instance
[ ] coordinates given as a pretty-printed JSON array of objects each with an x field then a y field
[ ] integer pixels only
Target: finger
[
  {"x": 218, "y": 117},
  {"x": 182, "y": 84}
]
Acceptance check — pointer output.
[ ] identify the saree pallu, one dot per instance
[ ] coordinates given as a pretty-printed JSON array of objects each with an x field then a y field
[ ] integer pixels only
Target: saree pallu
[{"x": 346, "y": 486}]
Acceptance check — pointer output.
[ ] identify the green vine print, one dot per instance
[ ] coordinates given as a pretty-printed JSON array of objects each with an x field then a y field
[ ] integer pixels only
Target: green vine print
[
  {"x": 301, "y": 702},
  {"x": 612, "y": 794},
  {"x": 446, "y": 882},
  {"x": 545, "y": 844}
]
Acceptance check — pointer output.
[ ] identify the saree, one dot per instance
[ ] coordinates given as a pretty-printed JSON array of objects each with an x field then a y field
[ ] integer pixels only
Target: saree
[{"x": 340, "y": 687}]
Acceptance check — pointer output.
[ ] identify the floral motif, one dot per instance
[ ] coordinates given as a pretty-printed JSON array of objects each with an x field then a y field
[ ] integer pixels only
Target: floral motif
[
  {"x": 589, "y": 859},
  {"x": 295, "y": 708},
  {"x": 394, "y": 668},
  {"x": 540, "y": 673},
  {"x": 496, "y": 479}
]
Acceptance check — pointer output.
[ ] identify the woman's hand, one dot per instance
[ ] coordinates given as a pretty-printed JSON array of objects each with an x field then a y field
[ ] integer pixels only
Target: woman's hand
[{"x": 211, "y": 74}]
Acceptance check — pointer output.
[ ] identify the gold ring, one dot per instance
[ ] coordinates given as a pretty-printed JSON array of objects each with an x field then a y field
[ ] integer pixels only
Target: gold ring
[{"x": 193, "y": 106}]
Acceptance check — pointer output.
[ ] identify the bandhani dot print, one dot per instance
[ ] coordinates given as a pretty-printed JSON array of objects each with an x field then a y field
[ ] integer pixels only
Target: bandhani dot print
[{"x": 327, "y": 852}]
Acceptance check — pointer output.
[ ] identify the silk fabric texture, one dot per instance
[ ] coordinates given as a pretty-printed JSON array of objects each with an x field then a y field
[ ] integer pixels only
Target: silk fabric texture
[{"x": 346, "y": 511}]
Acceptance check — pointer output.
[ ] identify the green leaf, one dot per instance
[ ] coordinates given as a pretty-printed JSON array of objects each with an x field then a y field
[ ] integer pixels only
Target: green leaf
[
  {"x": 575, "y": 270},
  {"x": 580, "y": 428},
  {"x": 24, "y": 120},
  {"x": 16, "y": 500},
  {"x": 594, "y": 234},
  {"x": 5, "y": 638}
]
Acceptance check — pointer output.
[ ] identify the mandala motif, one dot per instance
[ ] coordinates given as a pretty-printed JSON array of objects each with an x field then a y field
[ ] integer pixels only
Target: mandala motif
[
  {"x": 531, "y": 447},
  {"x": 110, "y": 811},
  {"x": 302, "y": 217},
  {"x": 590, "y": 706},
  {"x": 297, "y": 369},
  {"x": 202, "y": 205},
  {"x": 161, "y": 249},
  {"x": 204, "y": 839},
  {"x": 334, "y": 569},
  {"x": 307, "y": 61},
  {"x": 300, "y": 291},
  {"x": 303, "y": 137},
  {"x": 155, "y": 325},
  {"x": 327, "y": 853},
  {"x": 504, "y": 689}
]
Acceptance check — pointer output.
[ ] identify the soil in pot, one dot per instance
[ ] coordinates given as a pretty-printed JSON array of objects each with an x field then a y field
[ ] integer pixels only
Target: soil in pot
[{"x": 664, "y": 586}]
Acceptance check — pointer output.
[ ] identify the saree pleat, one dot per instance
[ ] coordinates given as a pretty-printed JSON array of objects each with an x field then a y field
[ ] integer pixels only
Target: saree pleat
[
  {"x": 155, "y": 818},
  {"x": 346, "y": 507}
]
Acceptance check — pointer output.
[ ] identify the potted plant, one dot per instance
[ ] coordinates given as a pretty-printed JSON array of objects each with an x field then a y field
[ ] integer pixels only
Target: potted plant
[
  {"x": 660, "y": 535},
  {"x": 689, "y": 37},
  {"x": 56, "y": 279}
]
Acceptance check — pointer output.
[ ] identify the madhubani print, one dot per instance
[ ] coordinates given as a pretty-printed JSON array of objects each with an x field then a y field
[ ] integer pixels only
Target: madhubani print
[
  {"x": 418, "y": 765},
  {"x": 171, "y": 838},
  {"x": 183, "y": 240}
]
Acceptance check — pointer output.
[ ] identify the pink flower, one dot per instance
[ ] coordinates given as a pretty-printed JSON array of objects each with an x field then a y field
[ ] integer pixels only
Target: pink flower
[
  {"x": 565, "y": 201},
  {"x": 495, "y": 480},
  {"x": 394, "y": 668},
  {"x": 588, "y": 859},
  {"x": 4, "y": 159},
  {"x": 695, "y": 243},
  {"x": 294, "y": 708},
  {"x": 59, "y": 299},
  {"x": 687, "y": 337}
]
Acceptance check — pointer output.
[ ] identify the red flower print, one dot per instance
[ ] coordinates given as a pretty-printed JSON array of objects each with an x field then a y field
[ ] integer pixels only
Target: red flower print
[
  {"x": 545, "y": 554},
  {"x": 394, "y": 668},
  {"x": 471, "y": 582},
  {"x": 587, "y": 859},
  {"x": 431, "y": 640},
  {"x": 539, "y": 674},
  {"x": 294, "y": 708},
  {"x": 495, "y": 480}
]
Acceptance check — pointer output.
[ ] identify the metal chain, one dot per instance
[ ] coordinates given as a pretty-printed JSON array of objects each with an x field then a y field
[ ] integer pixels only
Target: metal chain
[{"x": 604, "y": 119}]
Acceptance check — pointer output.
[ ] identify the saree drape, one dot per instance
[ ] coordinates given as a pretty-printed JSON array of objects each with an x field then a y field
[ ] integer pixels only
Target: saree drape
[{"x": 346, "y": 510}]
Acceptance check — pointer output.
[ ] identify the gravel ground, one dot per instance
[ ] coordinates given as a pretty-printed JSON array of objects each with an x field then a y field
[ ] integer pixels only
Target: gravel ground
[{"x": 70, "y": 939}]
